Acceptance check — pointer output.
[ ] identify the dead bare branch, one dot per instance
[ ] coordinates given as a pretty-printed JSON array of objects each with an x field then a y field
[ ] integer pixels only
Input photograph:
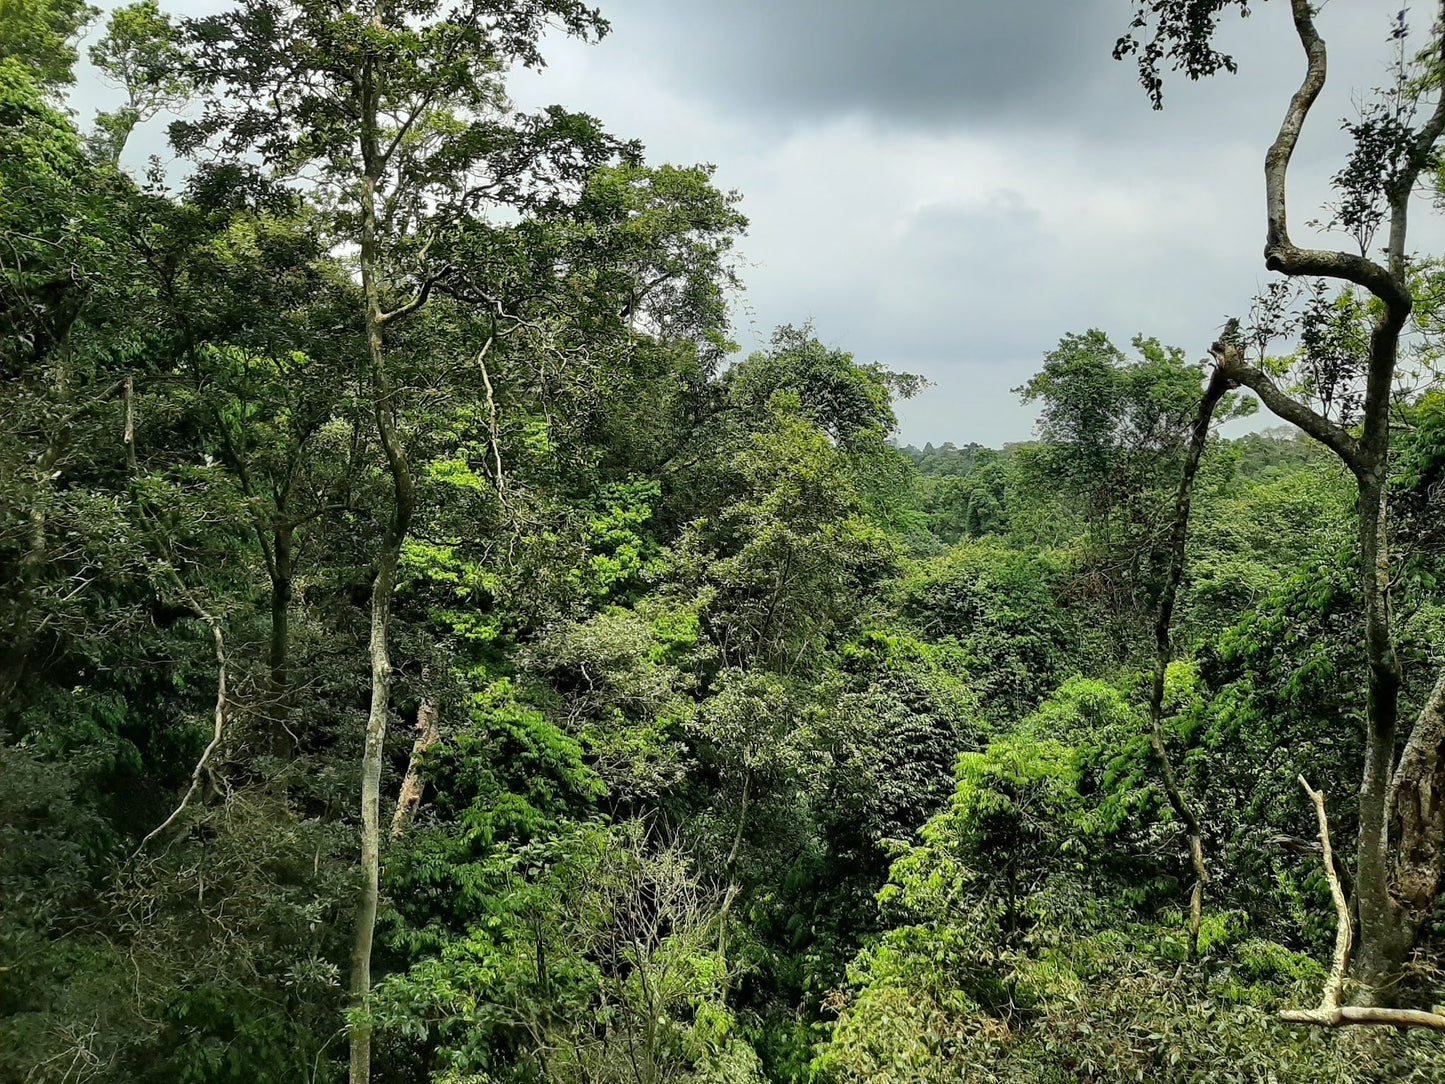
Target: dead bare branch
[{"x": 220, "y": 724}]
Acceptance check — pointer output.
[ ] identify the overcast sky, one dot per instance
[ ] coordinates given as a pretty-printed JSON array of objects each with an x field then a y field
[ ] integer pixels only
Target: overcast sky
[{"x": 948, "y": 186}]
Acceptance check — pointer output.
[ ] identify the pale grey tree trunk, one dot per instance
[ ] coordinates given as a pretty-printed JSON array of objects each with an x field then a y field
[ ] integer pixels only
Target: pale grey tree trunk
[{"x": 383, "y": 584}]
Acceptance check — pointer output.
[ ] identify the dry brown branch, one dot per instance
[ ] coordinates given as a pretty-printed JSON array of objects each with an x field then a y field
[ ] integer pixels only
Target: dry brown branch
[{"x": 427, "y": 734}]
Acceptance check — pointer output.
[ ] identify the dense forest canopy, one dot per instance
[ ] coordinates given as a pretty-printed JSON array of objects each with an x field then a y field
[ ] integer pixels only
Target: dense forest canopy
[{"x": 435, "y": 653}]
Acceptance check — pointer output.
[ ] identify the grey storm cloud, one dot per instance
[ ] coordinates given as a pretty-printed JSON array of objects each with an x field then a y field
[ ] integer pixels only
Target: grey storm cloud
[
  {"x": 924, "y": 61},
  {"x": 948, "y": 186},
  {"x": 1041, "y": 64}
]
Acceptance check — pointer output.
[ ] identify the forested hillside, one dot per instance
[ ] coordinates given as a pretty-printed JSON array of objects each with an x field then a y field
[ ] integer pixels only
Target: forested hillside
[{"x": 434, "y": 652}]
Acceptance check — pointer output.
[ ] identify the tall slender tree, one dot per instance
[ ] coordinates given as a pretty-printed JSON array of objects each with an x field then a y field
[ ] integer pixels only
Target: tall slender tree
[{"x": 396, "y": 113}]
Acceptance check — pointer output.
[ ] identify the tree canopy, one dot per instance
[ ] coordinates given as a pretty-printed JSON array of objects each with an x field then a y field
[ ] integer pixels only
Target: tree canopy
[{"x": 436, "y": 653}]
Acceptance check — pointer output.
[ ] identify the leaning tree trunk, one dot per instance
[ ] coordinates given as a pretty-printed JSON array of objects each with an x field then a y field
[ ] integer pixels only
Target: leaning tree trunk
[{"x": 1218, "y": 384}]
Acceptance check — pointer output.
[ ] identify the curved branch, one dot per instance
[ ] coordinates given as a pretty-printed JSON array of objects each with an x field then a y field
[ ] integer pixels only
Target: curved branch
[
  {"x": 420, "y": 298},
  {"x": 1280, "y": 253},
  {"x": 1333, "y": 436}
]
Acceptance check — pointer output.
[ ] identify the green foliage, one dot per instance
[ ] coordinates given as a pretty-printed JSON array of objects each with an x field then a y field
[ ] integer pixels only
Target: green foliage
[
  {"x": 963, "y": 493},
  {"x": 1256, "y": 522},
  {"x": 620, "y": 553},
  {"x": 1000, "y": 606},
  {"x": 665, "y": 237},
  {"x": 898, "y": 713},
  {"x": 601, "y": 964},
  {"x": 40, "y": 35},
  {"x": 142, "y": 54},
  {"x": 848, "y": 401},
  {"x": 51, "y": 219},
  {"x": 1114, "y": 430},
  {"x": 788, "y": 552},
  {"x": 1011, "y": 957},
  {"x": 764, "y": 749},
  {"x": 623, "y": 695}
]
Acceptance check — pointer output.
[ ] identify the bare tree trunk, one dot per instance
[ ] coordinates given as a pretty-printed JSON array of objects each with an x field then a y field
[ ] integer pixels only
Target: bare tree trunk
[
  {"x": 278, "y": 654},
  {"x": 1334, "y": 984},
  {"x": 203, "y": 764},
  {"x": 129, "y": 436}
]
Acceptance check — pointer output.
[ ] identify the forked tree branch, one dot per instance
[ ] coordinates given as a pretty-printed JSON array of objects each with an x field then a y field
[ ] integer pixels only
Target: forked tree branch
[{"x": 420, "y": 298}]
